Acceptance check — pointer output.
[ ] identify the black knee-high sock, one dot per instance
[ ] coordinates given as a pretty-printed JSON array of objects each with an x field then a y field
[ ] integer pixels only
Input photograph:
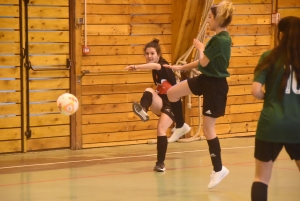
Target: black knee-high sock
[
  {"x": 162, "y": 145},
  {"x": 259, "y": 191},
  {"x": 176, "y": 108},
  {"x": 215, "y": 153},
  {"x": 146, "y": 100}
]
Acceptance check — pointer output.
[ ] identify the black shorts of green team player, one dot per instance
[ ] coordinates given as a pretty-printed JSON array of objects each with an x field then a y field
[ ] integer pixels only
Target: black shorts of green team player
[
  {"x": 214, "y": 91},
  {"x": 267, "y": 151},
  {"x": 166, "y": 108}
]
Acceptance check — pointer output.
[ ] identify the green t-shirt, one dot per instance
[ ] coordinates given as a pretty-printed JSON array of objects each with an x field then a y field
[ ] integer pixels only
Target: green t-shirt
[
  {"x": 218, "y": 52},
  {"x": 280, "y": 119}
]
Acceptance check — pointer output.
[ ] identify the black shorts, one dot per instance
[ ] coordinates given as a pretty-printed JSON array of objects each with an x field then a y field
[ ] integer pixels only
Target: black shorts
[
  {"x": 166, "y": 108},
  {"x": 214, "y": 91},
  {"x": 266, "y": 151}
]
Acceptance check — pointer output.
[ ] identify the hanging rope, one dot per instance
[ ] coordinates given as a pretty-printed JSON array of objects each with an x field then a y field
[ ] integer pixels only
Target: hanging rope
[{"x": 195, "y": 72}]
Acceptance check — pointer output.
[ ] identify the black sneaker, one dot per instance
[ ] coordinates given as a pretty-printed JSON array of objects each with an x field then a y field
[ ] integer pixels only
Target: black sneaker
[
  {"x": 159, "y": 167},
  {"x": 138, "y": 110}
]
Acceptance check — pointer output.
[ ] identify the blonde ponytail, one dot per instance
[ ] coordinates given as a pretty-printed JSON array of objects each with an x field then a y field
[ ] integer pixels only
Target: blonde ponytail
[{"x": 224, "y": 12}]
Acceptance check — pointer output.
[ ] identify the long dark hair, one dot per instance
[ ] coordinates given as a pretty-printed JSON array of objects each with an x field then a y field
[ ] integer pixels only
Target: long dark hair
[{"x": 287, "y": 52}]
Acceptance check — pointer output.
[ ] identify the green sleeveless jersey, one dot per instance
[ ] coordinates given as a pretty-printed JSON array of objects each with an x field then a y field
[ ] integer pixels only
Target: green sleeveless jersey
[{"x": 280, "y": 119}]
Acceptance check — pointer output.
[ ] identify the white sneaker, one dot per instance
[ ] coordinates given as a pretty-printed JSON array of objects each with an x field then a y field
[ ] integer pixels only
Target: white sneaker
[
  {"x": 216, "y": 177},
  {"x": 138, "y": 110},
  {"x": 178, "y": 132}
]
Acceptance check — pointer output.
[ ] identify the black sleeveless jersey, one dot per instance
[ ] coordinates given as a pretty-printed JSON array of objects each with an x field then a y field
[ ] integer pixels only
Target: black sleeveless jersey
[{"x": 163, "y": 73}]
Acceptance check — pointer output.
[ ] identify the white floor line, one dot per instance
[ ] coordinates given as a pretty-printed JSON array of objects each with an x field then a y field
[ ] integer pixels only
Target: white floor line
[{"x": 113, "y": 158}]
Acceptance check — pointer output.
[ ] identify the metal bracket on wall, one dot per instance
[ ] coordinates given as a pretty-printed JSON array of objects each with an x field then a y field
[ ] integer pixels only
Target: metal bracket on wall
[
  {"x": 68, "y": 64},
  {"x": 83, "y": 73}
]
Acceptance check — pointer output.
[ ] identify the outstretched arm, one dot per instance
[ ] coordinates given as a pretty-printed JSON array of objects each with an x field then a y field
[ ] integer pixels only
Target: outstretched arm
[{"x": 150, "y": 66}]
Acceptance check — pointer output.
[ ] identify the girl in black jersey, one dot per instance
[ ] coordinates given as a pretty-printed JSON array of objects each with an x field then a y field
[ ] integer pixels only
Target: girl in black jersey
[{"x": 157, "y": 99}]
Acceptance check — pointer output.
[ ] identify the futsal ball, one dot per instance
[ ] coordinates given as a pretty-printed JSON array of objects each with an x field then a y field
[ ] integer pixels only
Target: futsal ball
[{"x": 67, "y": 104}]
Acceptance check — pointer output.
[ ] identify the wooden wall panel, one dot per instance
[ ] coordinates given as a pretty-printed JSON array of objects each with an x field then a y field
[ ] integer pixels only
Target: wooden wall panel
[
  {"x": 289, "y": 8},
  {"x": 10, "y": 101},
  {"x": 116, "y": 34},
  {"x": 48, "y": 47}
]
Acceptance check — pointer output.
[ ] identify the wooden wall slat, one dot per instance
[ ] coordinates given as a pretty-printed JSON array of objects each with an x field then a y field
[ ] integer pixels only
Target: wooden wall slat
[
  {"x": 288, "y": 3},
  {"x": 108, "y": 19},
  {"x": 49, "y": 48},
  {"x": 49, "y": 120},
  {"x": 10, "y": 60},
  {"x": 48, "y": 143},
  {"x": 48, "y": 24},
  {"x": 9, "y": 48},
  {"x": 108, "y": 30},
  {"x": 118, "y": 127},
  {"x": 48, "y": 60},
  {"x": 149, "y": 9},
  {"x": 48, "y": 12},
  {"x": 9, "y": 11},
  {"x": 252, "y": 9},
  {"x": 9, "y": 85},
  {"x": 126, "y": 40},
  {"x": 251, "y": 19},
  {"x": 9, "y": 2},
  {"x": 151, "y": 19},
  {"x": 10, "y": 97},
  {"x": 53, "y": 36},
  {"x": 119, "y": 136},
  {"x": 9, "y": 109},
  {"x": 49, "y": 74},
  {"x": 145, "y": 29},
  {"x": 168, "y": 2},
  {"x": 9, "y": 23},
  {"x": 10, "y": 146},
  {"x": 289, "y": 12},
  {"x": 10, "y": 122},
  {"x": 61, "y": 83},
  {"x": 9, "y": 72},
  {"x": 9, "y": 36},
  {"x": 49, "y": 107},
  {"x": 10, "y": 134},
  {"x": 46, "y": 95},
  {"x": 50, "y": 2},
  {"x": 50, "y": 131},
  {"x": 246, "y": 1},
  {"x": 106, "y": 9}
]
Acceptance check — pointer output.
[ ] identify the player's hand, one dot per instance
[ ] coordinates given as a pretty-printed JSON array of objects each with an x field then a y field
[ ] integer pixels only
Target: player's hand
[
  {"x": 172, "y": 67},
  {"x": 198, "y": 45},
  {"x": 130, "y": 67}
]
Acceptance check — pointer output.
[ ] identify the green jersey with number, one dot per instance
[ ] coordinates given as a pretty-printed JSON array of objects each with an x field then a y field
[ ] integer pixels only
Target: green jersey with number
[
  {"x": 280, "y": 119},
  {"x": 218, "y": 52}
]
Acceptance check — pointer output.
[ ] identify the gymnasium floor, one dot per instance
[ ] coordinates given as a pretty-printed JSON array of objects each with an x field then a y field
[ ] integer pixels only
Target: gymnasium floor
[{"x": 125, "y": 173}]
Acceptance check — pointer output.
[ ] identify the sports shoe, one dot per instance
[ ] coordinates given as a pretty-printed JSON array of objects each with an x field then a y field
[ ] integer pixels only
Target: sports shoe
[
  {"x": 216, "y": 177},
  {"x": 159, "y": 167},
  {"x": 138, "y": 110},
  {"x": 178, "y": 132}
]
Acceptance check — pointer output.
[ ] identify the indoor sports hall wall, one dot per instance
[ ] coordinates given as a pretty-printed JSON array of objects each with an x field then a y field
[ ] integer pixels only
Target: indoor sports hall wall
[
  {"x": 48, "y": 47},
  {"x": 116, "y": 34}
]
